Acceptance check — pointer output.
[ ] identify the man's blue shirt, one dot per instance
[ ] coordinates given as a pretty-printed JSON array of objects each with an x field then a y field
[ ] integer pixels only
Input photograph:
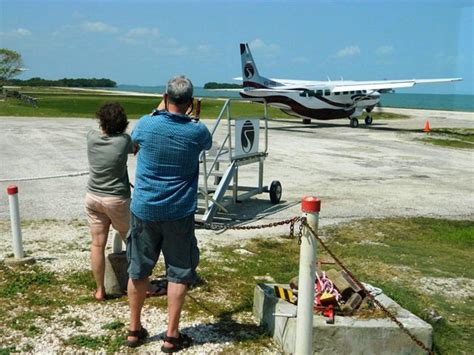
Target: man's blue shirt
[{"x": 167, "y": 170}]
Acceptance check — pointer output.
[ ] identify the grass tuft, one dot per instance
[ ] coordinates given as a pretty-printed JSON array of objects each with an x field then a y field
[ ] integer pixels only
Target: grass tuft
[{"x": 451, "y": 137}]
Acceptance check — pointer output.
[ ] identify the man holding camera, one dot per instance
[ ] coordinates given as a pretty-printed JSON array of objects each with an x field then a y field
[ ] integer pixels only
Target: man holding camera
[{"x": 163, "y": 206}]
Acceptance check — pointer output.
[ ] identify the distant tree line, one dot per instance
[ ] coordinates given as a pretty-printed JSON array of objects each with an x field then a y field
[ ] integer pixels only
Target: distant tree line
[
  {"x": 214, "y": 85},
  {"x": 80, "y": 82}
]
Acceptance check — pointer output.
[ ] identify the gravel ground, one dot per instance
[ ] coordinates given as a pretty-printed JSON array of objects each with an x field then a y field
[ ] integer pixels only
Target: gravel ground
[
  {"x": 207, "y": 338},
  {"x": 376, "y": 171}
]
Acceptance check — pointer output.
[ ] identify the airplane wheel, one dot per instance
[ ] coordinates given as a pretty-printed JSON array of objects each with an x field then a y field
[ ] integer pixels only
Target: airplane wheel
[
  {"x": 354, "y": 122},
  {"x": 306, "y": 120},
  {"x": 275, "y": 191},
  {"x": 368, "y": 120}
]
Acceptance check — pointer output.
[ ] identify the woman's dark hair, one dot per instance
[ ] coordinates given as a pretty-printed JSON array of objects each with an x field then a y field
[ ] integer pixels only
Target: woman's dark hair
[{"x": 112, "y": 118}]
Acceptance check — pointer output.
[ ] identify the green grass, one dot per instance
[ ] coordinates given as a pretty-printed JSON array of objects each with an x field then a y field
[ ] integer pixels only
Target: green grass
[
  {"x": 451, "y": 137},
  {"x": 86, "y": 105},
  {"x": 430, "y": 248},
  {"x": 57, "y": 103},
  {"x": 113, "y": 325},
  {"x": 384, "y": 115},
  {"x": 16, "y": 281},
  {"x": 389, "y": 253}
]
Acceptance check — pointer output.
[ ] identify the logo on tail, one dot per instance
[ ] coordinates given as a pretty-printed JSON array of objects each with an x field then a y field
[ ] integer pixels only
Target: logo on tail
[
  {"x": 249, "y": 71},
  {"x": 251, "y": 77}
]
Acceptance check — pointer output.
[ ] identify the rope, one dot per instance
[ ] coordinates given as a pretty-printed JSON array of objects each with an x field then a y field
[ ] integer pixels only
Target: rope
[
  {"x": 303, "y": 222},
  {"x": 372, "y": 297},
  {"x": 80, "y": 173}
]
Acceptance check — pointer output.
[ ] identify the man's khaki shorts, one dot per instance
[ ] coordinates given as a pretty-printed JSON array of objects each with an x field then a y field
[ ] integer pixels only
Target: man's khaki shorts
[{"x": 104, "y": 211}]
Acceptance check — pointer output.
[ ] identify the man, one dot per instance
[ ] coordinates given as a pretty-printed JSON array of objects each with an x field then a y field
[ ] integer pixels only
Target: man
[{"x": 163, "y": 206}]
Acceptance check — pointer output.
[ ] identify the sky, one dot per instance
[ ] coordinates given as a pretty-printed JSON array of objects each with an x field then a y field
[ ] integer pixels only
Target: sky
[{"x": 146, "y": 42}]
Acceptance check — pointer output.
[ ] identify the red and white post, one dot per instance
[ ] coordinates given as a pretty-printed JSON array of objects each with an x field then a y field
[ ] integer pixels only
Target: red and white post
[
  {"x": 12, "y": 192},
  {"x": 310, "y": 206}
]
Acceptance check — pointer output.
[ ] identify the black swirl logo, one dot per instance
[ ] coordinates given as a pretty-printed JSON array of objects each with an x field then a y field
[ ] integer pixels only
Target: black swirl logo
[
  {"x": 247, "y": 136},
  {"x": 249, "y": 70}
]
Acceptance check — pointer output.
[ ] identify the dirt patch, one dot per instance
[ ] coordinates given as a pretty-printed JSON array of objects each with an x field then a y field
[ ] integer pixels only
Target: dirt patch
[{"x": 456, "y": 288}]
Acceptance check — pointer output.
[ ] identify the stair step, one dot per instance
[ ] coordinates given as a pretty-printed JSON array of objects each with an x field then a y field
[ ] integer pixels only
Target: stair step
[{"x": 218, "y": 173}]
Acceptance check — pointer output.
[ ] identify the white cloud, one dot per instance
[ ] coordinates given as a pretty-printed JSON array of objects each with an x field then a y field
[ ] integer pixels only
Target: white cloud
[
  {"x": 301, "y": 60},
  {"x": 384, "y": 50},
  {"x": 348, "y": 51},
  {"x": 258, "y": 45},
  {"x": 204, "y": 48},
  {"x": 19, "y": 32},
  {"x": 137, "y": 34},
  {"x": 172, "y": 47},
  {"x": 22, "y": 32},
  {"x": 98, "y": 27}
]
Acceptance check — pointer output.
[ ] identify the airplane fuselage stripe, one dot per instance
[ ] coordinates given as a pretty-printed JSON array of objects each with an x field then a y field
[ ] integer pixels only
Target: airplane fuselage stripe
[{"x": 298, "y": 108}]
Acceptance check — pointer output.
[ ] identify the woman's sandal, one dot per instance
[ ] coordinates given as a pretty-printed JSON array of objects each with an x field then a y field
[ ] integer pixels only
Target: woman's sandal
[
  {"x": 141, "y": 335},
  {"x": 181, "y": 342}
]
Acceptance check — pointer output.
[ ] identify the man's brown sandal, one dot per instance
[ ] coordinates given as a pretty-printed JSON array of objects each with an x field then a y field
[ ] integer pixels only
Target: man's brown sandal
[
  {"x": 141, "y": 335},
  {"x": 181, "y": 342}
]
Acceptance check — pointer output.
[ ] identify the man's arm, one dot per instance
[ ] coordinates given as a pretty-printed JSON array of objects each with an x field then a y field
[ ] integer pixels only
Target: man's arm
[
  {"x": 207, "y": 138},
  {"x": 135, "y": 136}
]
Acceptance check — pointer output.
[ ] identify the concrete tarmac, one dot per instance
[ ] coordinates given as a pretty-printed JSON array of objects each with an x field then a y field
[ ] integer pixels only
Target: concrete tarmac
[{"x": 377, "y": 171}]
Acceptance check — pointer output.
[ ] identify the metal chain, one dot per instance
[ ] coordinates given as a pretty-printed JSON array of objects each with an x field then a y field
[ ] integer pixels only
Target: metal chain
[
  {"x": 382, "y": 307},
  {"x": 291, "y": 222},
  {"x": 304, "y": 223}
]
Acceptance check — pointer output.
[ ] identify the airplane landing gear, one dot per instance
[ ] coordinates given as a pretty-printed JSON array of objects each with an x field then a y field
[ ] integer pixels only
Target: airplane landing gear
[
  {"x": 368, "y": 120},
  {"x": 354, "y": 122}
]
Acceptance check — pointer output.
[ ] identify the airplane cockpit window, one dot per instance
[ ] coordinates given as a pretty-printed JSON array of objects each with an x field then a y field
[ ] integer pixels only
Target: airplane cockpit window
[
  {"x": 303, "y": 94},
  {"x": 319, "y": 92},
  {"x": 327, "y": 92},
  {"x": 359, "y": 92},
  {"x": 337, "y": 93},
  {"x": 345, "y": 92},
  {"x": 352, "y": 92},
  {"x": 364, "y": 91}
]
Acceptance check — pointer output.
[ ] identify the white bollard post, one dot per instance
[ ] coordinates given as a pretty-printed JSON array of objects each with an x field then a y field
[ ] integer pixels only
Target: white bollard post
[
  {"x": 310, "y": 206},
  {"x": 117, "y": 243},
  {"x": 12, "y": 192}
]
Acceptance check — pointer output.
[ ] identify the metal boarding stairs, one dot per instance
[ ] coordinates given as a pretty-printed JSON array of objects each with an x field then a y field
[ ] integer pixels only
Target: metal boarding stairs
[{"x": 235, "y": 145}]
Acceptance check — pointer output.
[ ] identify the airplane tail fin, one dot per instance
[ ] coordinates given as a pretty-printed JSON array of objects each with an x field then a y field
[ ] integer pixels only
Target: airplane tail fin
[{"x": 250, "y": 75}]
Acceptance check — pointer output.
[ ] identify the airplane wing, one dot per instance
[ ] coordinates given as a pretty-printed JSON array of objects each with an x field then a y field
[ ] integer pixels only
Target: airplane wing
[
  {"x": 386, "y": 84},
  {"x": 296, "y": 84},
  {"x": 340, "y": 86},
  {"x": 234, "y": 89}
]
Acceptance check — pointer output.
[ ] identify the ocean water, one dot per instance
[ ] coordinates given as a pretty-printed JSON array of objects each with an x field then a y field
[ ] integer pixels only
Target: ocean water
[{"x": 399, "y": 100}]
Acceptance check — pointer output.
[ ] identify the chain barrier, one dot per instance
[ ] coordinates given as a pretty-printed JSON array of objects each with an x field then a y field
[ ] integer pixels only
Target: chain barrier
[
  {"x": 303, "y": 223},
  {"x": 290, "y": 221}
]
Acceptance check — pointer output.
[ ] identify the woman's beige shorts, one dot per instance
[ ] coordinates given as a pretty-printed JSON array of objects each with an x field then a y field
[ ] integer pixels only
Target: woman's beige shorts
[{"x": 104, "y": 211}]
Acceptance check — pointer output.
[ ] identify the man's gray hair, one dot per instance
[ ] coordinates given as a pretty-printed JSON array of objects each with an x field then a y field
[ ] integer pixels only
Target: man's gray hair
[{"x": 179, "y": 90}]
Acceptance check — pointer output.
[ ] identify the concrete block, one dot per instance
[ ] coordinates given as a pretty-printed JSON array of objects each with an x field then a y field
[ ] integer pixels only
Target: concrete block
[
  {"x": 348, "y": 335},
  {"x": 116, "y": 276},
  {"x": 27, "y": 260}
]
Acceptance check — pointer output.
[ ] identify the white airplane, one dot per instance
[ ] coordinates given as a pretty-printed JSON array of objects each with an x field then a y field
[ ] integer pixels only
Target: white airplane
[{"x": 321, "y": 100}]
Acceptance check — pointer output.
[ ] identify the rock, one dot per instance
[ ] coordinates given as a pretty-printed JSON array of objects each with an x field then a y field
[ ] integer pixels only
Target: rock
[
  {"x": 266, "y": 278},
  {"x": 243, "y": 252},
  {"x": 432, "y": 316}
]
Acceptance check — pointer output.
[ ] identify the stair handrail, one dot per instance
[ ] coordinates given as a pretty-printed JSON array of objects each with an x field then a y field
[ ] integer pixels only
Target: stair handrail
[{"x": 225, "y": 108}]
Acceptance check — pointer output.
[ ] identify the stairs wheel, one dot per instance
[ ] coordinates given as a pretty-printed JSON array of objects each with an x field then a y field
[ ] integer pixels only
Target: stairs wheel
[{"x": 275, "y": 191}]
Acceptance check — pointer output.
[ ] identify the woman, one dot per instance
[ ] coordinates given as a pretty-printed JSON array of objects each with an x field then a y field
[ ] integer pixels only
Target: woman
[{"x": 108, "y": 190}]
